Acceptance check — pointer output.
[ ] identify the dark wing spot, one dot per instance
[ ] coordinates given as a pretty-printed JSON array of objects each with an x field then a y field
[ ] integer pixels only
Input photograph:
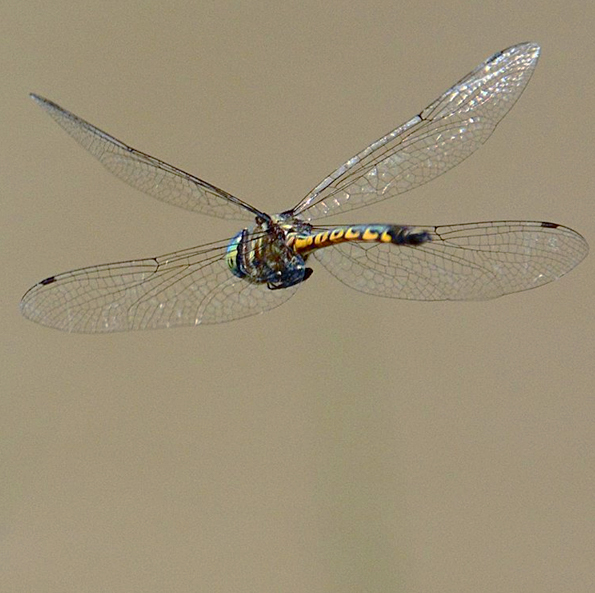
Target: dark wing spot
[
  {"x": 549, "y": 225},
  {"x": 48, "y": 280}
]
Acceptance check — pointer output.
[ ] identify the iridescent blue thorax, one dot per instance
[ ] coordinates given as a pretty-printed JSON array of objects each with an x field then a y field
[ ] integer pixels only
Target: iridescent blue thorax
[{"x": 264, "y": 253}]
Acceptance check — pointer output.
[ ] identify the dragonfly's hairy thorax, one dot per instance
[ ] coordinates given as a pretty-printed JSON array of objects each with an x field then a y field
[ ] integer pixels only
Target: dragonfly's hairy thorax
[{"x": 263, "y": 254}]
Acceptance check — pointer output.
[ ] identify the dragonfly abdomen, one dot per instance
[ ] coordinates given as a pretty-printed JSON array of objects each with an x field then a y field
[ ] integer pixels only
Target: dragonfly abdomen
[{"x": 367, "y": 233}]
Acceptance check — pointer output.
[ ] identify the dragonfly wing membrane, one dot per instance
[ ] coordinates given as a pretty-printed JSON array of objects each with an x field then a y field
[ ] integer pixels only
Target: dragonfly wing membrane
[
  {"x": 186, "y": 288},
  {"x": 441, "y": 136},
  {"x": 146, "y": 173},
  {"x": 473, "y": 261}
]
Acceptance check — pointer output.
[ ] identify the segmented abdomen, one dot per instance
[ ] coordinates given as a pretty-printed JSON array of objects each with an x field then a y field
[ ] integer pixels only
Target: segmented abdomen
[{"x": 370, "y": 233}]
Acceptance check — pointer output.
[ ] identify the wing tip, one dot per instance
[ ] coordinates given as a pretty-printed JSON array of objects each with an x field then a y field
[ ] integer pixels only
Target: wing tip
[{"x": 37, "y": 98}]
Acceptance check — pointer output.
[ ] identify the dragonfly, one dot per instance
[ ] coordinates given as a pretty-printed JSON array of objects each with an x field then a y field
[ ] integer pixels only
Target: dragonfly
[{"x": 265, "y": 263}]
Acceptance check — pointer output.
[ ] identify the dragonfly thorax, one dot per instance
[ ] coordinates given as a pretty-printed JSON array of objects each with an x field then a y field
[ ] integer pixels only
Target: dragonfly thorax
[{"x": 263, "y": 255}]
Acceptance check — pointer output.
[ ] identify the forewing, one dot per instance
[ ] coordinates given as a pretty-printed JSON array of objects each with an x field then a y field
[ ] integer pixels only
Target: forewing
[
  {"x": 148, "y": 174},
  {"x": 431, "y": 143},
  {"x": 185, "y": 288},
  {"x": 474, "y": 261}
]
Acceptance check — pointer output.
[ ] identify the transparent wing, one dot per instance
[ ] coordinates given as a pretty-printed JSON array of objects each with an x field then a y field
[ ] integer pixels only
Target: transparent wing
[
  {"x": 150, "y": 175},
  {"x": 440, "y": 137},
  {"x": 188, "y": 287},
  {"x": 481, "y": 260}
]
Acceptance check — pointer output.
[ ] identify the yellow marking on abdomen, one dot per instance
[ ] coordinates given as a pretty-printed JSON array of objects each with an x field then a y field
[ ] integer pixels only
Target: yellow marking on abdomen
[
  {"x": 353, "y": 234},
  {"x": 321, "y": 239},
  {"x": 336, "y": 236},
  {"x": 370, "y": 235},
  {"x": 341, "y": 235},
  {"x": 386, "y": 237}
]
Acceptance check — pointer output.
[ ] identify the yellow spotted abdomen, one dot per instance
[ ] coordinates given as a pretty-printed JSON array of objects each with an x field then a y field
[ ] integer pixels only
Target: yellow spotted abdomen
[{"x": 368, "y": 233}]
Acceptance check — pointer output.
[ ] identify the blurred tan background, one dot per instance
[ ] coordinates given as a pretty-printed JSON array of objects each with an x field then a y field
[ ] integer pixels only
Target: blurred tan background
[{"x": 340, "y": 443}]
